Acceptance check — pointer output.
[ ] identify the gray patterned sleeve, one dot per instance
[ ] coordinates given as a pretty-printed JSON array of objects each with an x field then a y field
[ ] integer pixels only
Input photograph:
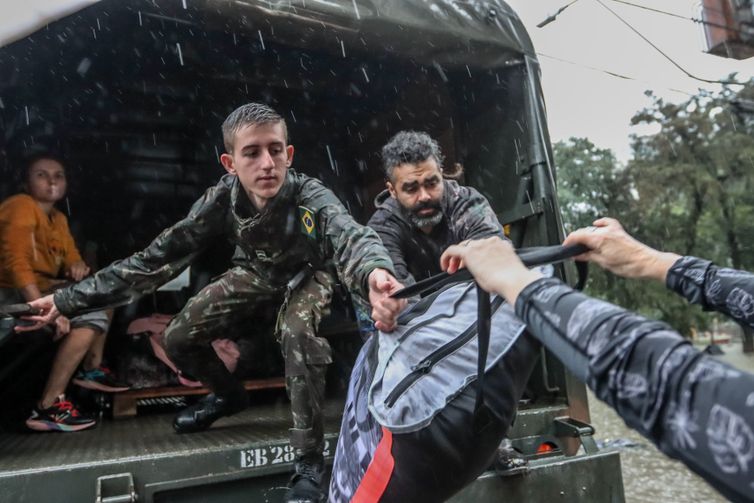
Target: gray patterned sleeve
[
  {"x": 728, "y": 291},
  {"x": 693, "y": 407}
]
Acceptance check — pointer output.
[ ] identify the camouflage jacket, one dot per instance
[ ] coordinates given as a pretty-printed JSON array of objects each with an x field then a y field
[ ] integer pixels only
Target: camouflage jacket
[
  {"x": 304, "y": 224},
  {"x": 416, "y": 255}
]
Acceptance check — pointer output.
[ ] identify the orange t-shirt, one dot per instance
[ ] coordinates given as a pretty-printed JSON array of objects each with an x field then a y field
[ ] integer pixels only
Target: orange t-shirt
[{"x": 34, "y": 248}]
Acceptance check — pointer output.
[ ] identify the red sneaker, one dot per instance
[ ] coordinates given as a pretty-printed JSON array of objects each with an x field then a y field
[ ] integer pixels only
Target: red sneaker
[{"x": 60, "y": 416}]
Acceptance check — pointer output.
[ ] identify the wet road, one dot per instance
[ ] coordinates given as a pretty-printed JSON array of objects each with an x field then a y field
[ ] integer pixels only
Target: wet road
[{"x": 648, "y": 475}]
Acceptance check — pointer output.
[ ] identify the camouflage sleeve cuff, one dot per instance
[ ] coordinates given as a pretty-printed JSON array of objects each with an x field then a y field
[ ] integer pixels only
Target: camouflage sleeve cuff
[
  {"x": 376, "y": 264},
  {"x": 62, "y": 302}
]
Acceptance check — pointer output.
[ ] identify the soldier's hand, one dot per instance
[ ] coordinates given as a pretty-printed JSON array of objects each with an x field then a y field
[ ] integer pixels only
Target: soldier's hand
[
  {"x": 47, "y": 314},
  {"x": 385, "y": 310}
]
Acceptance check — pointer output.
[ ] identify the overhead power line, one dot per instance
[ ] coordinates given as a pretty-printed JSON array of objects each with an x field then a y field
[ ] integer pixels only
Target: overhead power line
[
  {"x": 679, "y": 16},
  {"x": 553, "y": 17},
  {"x": 609, "y": 73},
  {"x": 666, "y": 56}
]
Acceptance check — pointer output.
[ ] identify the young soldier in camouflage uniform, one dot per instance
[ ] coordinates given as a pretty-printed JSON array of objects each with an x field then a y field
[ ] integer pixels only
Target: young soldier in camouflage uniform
[
  {"x": 288, "y": 229},
  {"x": 421, "y": 214}
]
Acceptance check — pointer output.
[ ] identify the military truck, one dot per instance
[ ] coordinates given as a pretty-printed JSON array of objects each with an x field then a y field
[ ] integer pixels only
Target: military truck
[{"x": 132, "y": 93}]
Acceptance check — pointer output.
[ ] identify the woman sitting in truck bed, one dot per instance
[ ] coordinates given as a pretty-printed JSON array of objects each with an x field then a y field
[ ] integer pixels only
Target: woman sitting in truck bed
[{"x": 38, "y": 254}]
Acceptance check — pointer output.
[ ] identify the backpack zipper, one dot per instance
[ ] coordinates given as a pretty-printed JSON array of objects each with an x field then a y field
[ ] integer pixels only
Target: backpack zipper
[{"x": 426, "y": 364}]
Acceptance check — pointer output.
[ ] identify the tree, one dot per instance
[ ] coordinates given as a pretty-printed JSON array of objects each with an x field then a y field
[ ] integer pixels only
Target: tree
[
  {"x": 688, "y": 189},
  {"x": 695, "y": 176},
  {"x": 591, "y": 184},
  {"x": 698, "y": 169}
]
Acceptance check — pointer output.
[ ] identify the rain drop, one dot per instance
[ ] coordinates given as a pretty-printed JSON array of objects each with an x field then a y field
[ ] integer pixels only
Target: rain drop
[
  {"x": 180, "y": 54},
  {"x": 261, "y": 40},
  {"x": 333, "y": 164},
  {"x": 356, "y": 9},
  {"x": 732, "y": 121},
  {"x": 26, "y": 108},
  {"x": 440, "y": 71},
  {"x": 364, "y": 71},
  {"x": 528, "y": 200}
]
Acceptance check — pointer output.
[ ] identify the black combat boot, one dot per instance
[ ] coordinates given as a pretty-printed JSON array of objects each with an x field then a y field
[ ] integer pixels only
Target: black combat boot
[
  {"x": 306, "y": 483},
  {"x": 509, "y": 461},
  {"x": 206, "y": 411}
]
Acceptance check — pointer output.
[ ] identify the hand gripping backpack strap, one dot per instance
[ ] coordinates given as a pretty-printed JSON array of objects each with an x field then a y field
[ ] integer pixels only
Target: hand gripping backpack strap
[
  {"x": 535, "y": 256},
  {"x": 530, "y": 257}
]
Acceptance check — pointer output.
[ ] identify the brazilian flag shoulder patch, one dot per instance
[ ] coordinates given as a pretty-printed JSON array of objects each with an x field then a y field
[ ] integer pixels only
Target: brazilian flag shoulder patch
[{"x": 307, "y": 221}]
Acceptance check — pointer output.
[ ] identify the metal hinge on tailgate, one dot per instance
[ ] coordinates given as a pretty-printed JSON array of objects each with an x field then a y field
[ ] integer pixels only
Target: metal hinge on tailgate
[
  {"x": 117, "y": 488},
  {"x": 569, "y": 427}
]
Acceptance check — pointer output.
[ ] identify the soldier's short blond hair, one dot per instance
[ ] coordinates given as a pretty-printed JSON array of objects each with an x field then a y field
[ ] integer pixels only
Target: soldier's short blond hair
[{"x": 250, "y": 114}]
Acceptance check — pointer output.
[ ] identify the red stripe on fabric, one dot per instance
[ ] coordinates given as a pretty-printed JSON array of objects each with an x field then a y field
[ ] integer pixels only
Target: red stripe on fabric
[{"x": 378, "y": 474}]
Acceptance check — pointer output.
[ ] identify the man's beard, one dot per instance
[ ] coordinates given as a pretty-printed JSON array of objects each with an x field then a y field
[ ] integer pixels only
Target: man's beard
[{"x": 424, "y": 221}]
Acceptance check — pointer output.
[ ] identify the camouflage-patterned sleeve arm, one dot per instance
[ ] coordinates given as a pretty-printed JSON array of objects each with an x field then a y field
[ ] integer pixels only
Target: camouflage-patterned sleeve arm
[
  {"x": 475, "y": 217},
  {"x": 728, "y": 291},
  {"x": 391, "y": 240},
  {"x": 141, "y": 273},
  {"x": 693, "y": 407},
  {"x": 355, "y": 249}
]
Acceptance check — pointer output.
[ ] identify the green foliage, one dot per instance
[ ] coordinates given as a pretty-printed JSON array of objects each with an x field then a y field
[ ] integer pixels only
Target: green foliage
[{"x": 687, "y": 189}]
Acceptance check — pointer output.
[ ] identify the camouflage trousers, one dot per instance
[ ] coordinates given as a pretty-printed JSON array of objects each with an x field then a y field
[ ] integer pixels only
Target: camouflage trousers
[{"x": 231, "y": 300}]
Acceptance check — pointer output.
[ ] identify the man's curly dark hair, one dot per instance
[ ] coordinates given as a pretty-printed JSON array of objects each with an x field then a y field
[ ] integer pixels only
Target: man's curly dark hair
[{"x": 410, "y": 147}]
